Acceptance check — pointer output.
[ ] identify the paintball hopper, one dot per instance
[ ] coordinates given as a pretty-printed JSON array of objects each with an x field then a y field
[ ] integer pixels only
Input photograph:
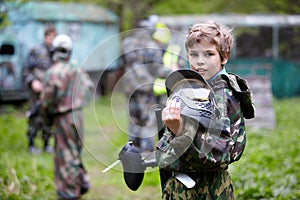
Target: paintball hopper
[
  {"x": 194, "y": 93},
  {"x": 133, "y": 166},
  {"x": 34, "y": 110}
]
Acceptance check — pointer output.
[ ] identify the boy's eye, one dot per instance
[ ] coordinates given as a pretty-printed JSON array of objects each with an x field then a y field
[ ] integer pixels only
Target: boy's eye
[
  {"x": 193, "y": 54},
  {"x": 209, "y": 54}
]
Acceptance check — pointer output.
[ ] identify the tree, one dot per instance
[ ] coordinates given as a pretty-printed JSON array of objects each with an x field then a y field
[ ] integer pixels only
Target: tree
[{"x": 130, "y": 12}]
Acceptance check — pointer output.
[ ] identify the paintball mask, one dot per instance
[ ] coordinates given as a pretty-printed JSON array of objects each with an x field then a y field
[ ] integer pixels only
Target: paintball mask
[{"x": 196, "y": 96}]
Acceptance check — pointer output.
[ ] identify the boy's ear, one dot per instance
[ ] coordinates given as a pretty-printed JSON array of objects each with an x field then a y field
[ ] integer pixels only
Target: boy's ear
[{"x": 224, "y": 61}]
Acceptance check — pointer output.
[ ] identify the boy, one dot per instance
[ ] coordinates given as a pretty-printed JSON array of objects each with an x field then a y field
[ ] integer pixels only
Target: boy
[
  {"x": 199, "y": 169},
  {"x": 38, "y": 61}
]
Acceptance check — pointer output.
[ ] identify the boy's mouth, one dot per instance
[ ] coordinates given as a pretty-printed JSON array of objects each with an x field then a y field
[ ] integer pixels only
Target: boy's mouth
[{"x": 201, "y": 71}]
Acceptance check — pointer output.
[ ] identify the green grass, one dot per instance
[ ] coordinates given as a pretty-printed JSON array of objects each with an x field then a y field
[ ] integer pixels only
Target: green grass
[{"x": 269, "y": 168}]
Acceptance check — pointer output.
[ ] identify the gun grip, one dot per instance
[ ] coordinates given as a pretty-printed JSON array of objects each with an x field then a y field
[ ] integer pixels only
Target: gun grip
[{"x": 160, "y": 124}]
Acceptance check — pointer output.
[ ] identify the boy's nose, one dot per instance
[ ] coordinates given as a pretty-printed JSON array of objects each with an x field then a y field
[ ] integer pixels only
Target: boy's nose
[{"x": 200, "y": 61}]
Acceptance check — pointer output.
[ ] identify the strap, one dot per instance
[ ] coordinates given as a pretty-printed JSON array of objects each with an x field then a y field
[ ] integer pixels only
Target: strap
[{"x": 242, "y": 92}]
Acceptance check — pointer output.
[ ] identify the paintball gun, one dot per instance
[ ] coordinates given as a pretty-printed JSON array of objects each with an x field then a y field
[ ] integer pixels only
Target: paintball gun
[
  {"x": 197, "y": 103},
  {"x": 133, "y": 164},
  {"x": 34, "y": 110}
]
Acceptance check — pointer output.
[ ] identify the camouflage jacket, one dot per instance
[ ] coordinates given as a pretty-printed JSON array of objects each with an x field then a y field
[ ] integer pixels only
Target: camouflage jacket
[
  {"x": 36, "y": 65},
  {"x": 199, "y": 149},
  {"x": 142, "y": 60},
  {"x": 37, "y": 62},
  {"x": 39, "y": 57},
  {"x": 66, "y": 87}
]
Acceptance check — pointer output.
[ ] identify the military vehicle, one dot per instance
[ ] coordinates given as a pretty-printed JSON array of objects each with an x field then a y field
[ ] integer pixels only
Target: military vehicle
[
  {"x": 11, "y": 60},
  {"x": 93, "y": 29}
]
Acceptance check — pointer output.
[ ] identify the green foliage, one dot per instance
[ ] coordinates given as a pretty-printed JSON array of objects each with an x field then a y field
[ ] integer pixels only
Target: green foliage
[
  {"x": 132, "y": 11},
  {"x": 22, "y": 176},
  {"x": 269, "y": 168}
]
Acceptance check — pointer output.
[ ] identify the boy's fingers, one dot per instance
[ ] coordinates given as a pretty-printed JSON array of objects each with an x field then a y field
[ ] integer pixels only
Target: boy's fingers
[
  {"x": 177, "y": 106},
  {"x": 172, "y": 110}
]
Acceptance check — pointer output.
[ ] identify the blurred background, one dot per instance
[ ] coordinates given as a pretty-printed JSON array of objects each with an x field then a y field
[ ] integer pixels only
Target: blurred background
[
  {"x": 266, "y": 53},
  {"x": 267, "y": 35}
]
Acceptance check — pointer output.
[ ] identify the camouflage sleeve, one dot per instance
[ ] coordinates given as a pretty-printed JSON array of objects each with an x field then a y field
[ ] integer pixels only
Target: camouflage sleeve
[
  {"x": 232, "y": 124},
  {"x": 84, "y": 89},
  {"x": 171, "y": 147},
  {"x": 31, "y": 59},
  {"x": 198, "y": 149},
  {"x": 29, "y": 77},
  {"x": 48, "y": 94},
  {"x": 29, "y": 64}
]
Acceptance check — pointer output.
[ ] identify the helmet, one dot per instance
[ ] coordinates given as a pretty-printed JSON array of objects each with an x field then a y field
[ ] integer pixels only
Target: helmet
[
  {"x": 62, "y": 45},
  {"x": 62, "y": 42}
]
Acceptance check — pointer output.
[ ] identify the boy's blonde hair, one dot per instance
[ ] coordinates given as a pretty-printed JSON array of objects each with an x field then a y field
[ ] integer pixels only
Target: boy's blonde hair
[{"x": 217, "y": 34}]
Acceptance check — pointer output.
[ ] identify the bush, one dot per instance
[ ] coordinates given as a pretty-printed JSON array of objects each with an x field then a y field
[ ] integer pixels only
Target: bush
[{"x": 268, "y": 169}]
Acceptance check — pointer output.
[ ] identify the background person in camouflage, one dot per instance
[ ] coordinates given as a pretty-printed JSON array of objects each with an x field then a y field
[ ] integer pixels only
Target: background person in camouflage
[
  {"x": 171, "y": 59},
  {"x": 142, "y": 58},
  {"x": 38, "y": 61},
  {"x": 66, "y": 91},
  {"x": 206, "y": 152}
]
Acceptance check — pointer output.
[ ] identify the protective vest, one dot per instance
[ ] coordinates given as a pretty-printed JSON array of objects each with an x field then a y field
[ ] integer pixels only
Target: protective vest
[{"x": 170, "y": 59}]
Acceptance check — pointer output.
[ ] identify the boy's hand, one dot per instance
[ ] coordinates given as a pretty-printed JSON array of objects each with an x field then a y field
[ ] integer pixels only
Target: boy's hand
[{"x": 171, "y": 116}]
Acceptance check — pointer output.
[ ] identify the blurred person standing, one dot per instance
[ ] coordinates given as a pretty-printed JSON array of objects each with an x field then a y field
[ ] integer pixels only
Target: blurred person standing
[
  {"x": 38, "y": 61},
  {"x": 171, "y": 59},
  {"x": 67, "y": 89},
  {"x": 142, "y": 60}
]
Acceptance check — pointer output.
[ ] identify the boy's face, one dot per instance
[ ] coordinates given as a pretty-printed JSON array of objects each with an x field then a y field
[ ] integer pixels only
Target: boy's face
[
  {"x": 205, "y": 59},
  {"x": 49, "y": 38}
]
